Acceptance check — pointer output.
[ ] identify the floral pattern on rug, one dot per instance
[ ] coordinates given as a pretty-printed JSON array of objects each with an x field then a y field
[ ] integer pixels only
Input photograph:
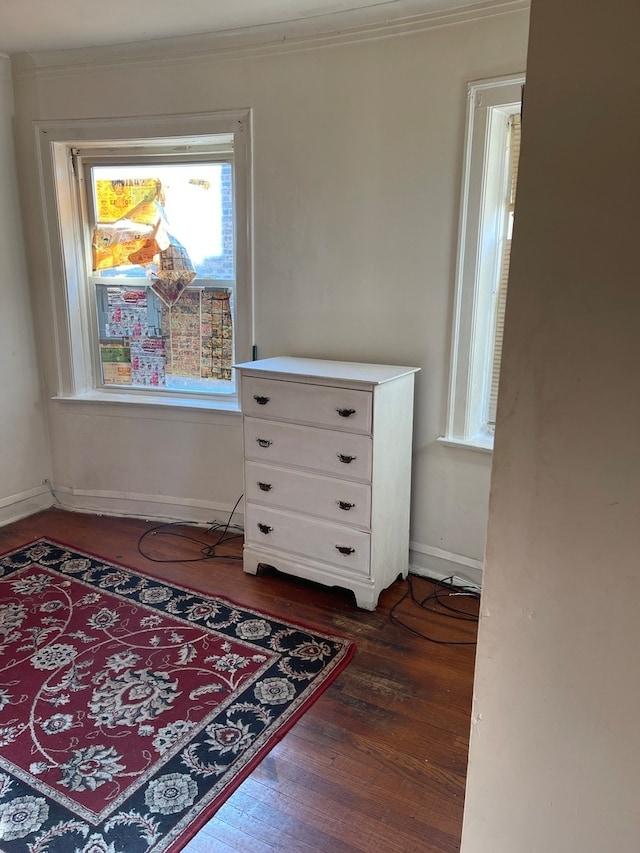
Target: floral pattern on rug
[{"x": 130, "y": 707}]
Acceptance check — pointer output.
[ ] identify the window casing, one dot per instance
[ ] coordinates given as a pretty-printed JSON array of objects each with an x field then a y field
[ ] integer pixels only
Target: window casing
[
  {"x": 488, "y": 194},
  {"x": 127, "y": 331}
]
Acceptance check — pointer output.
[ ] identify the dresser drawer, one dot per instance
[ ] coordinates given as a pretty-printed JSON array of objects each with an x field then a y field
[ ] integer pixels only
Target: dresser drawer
[
  {"x": 329, "y": 497},
  {"x": 327, "y": 451},
  {"x": 342, "y": 408},
  {"x": 346, "y": 548}
]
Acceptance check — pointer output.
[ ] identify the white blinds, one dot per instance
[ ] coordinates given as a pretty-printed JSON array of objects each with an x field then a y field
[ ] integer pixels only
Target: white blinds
[{"x": 501, "y": 301}]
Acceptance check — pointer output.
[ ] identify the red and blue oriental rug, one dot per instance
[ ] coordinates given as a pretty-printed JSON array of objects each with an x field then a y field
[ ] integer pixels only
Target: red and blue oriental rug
[{"x": 131, "y": 708}]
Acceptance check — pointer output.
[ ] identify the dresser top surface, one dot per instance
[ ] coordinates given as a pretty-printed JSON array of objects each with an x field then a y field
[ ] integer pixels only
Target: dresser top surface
[{"x": 312, "y": 368}]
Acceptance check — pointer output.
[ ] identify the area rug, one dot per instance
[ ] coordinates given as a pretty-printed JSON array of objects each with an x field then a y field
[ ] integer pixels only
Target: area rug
[{"x": 130, "y": 708}]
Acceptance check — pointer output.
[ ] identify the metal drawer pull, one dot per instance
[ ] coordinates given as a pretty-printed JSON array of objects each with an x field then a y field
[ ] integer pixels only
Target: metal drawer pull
[
  {"x": 345, "y": 505},
  {"x": 264, "y": 528},
  {"x": 261, "y": 401},
  {"x": 344, "y": 458},
  {"x": 265, "y": 487},
  {"x": 344, "y": 549},
  {"x": 346, "y": 413},
  {"x": 264, "y": 442}
]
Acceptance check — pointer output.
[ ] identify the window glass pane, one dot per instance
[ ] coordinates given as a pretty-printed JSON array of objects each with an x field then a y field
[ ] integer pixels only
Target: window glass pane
[
  {"x": 190, "y": 204},
  {"x": 512, "y": 143},
  {"x": 145, "y": 343},
  {"x": 161, "y": 234}
]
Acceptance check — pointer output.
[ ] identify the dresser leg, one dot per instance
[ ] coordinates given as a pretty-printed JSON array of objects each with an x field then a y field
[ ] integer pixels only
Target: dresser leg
[
  {"x": 250, "y": 564},
  {"x": 366, "y": 600}
]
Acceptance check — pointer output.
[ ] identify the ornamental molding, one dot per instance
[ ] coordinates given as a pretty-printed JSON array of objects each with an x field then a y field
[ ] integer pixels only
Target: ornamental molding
[{"x": 255, "y": 42}]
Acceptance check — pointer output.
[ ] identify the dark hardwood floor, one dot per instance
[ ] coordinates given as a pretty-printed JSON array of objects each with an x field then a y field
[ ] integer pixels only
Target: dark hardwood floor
[{"x": 378, "y": 763}]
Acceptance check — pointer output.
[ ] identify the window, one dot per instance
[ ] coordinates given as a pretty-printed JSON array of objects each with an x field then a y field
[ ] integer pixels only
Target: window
[
  {"x": 486, "y": 222},
  {"x": 150, "y": 256}
]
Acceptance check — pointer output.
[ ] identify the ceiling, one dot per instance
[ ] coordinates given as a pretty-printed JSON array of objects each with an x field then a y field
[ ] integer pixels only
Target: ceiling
[{"x": 39, "y": 25}]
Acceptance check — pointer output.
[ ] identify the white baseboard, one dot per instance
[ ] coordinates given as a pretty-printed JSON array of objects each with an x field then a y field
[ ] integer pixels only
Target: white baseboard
[
  {"x": 22, "y": 504},
  {"x": 432, "y": 562},
  {"x": 161, "y": 508},
  {"x": 425, "y": 560}
]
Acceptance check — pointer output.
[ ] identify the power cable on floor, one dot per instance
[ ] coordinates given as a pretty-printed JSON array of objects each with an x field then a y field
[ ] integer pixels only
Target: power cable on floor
[
  {"x": 208, "y": 549},
  {"x": 445, "y": 588}
]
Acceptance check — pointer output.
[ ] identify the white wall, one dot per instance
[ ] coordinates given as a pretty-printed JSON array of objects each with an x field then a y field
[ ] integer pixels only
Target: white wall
[
  {"x": 555, "y": 755},
  {"x": 24, "y": 450},
  {"x": 357, "y": 154}
]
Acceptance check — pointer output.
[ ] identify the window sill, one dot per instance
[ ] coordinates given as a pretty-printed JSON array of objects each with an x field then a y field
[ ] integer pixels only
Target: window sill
[
  {"x": 479, "y": 443},
  {"x": 146, "y": 402}
]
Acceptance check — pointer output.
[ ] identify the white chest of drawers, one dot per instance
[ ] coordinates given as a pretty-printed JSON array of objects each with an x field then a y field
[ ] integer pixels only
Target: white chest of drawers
[{"x": 327, "y": 471}]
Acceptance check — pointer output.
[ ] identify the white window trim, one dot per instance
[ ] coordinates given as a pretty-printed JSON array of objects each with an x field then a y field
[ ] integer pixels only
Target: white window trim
[
  {"x": 61, "y": 208},
  {"x": 490, "y": 102}
]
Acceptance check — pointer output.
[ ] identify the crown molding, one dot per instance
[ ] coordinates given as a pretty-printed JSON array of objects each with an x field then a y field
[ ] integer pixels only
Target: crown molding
[{"x": 253, "y": 42}]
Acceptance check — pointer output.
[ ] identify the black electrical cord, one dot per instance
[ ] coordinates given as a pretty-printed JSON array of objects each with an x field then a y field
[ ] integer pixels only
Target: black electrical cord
[
  {"x": 207, "y": 551},
  {"x": 452, "y": 591},
  {"x": 435, "y": 596}
]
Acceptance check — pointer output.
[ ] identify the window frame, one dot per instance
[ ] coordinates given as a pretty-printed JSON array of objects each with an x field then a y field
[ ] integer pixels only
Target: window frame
[
  {"x": 481, "y": 234},
  {"x": 179, "y": 137}
]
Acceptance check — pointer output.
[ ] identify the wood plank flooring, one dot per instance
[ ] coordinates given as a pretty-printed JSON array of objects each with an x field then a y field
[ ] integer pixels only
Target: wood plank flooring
[{"x": 378, "y": 764}]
